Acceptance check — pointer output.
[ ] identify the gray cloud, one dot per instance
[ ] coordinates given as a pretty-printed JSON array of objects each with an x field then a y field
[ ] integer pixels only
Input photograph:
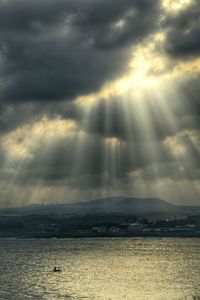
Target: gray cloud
[
  {"x": 53, "y": 50},
  {"x": 14, "y": 115},
  {"x": 183, "y": 32}
]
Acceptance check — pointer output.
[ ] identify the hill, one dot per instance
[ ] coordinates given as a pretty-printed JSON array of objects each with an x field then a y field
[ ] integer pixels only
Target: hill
[{"x": 121, "y": 205}]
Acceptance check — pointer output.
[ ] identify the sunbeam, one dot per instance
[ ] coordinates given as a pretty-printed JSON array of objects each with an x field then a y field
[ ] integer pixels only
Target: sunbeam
[
  {"x": 99, "y": 149},
  {"x": 124, "y": 119}
]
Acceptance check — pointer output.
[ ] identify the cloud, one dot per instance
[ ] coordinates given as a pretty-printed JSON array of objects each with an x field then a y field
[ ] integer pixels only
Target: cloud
[
  {"x": 17, "y": 115},
  {"x": 98, "y": 95},
  {"x": 55, "y": 50},
  {"x": 97, "y": 146},
  {"x": 183, "y": 32}
]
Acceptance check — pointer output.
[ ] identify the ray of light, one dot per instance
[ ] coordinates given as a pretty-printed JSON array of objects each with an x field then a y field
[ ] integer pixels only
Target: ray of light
[
  {"x": 146, "y": 100},
  {"x": 153, "y": 109},
  {"x": 21, "y": 146}
]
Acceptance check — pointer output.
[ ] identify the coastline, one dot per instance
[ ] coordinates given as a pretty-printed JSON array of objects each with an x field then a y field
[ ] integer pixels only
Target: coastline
[{"x": 104, "y": 235}]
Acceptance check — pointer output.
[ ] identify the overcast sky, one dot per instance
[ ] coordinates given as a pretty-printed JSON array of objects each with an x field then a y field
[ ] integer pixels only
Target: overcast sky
[{"x": 99, "y": 98}]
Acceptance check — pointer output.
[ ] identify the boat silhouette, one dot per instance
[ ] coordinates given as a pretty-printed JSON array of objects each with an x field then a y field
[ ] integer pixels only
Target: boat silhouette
[{"x": 56, "y": 269}]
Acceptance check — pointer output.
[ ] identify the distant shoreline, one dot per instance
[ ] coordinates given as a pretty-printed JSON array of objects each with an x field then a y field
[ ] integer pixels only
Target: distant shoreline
[{"x": 107, "y": 235}]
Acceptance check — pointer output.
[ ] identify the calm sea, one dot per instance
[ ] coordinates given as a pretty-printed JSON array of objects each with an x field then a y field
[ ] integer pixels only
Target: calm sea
[{"x": 100, "y": 269}]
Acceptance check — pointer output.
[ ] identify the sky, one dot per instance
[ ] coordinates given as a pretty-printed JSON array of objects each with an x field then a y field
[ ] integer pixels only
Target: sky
[{"x": 99, "y": 98}]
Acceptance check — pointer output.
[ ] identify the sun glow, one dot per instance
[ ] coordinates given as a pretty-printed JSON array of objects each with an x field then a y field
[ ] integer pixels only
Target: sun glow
[
  {"x": 175, "y": 147},
  {"x": 147, "y": 68},
  {"x": 176, "y": 5},
  {"x": 112, "y": 141},
  {"x": 144, "y": 70}
]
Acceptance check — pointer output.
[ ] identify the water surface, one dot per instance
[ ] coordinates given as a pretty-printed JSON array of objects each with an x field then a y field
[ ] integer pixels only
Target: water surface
[{"x": 100, "y": 269}]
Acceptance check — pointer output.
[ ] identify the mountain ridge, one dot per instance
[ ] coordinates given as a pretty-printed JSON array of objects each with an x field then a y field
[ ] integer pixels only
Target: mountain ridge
[{"x": 123, "y": 205}]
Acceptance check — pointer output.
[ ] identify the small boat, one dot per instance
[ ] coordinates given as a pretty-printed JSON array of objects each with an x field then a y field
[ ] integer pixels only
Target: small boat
[{"x": 56, "y": 269}]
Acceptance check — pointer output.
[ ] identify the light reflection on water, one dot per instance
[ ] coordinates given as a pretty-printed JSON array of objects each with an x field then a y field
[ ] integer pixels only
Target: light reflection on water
[{"x": 100, "y": 269}]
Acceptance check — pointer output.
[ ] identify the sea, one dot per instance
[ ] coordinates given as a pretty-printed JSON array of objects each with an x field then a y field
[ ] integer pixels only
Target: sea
[{"x": 100, "y": 268}]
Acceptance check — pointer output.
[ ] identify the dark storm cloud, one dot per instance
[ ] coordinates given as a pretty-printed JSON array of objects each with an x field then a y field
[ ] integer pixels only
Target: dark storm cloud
[
  {"x": 55, "y": 49},
  {"x": 183, "y": 32}
]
